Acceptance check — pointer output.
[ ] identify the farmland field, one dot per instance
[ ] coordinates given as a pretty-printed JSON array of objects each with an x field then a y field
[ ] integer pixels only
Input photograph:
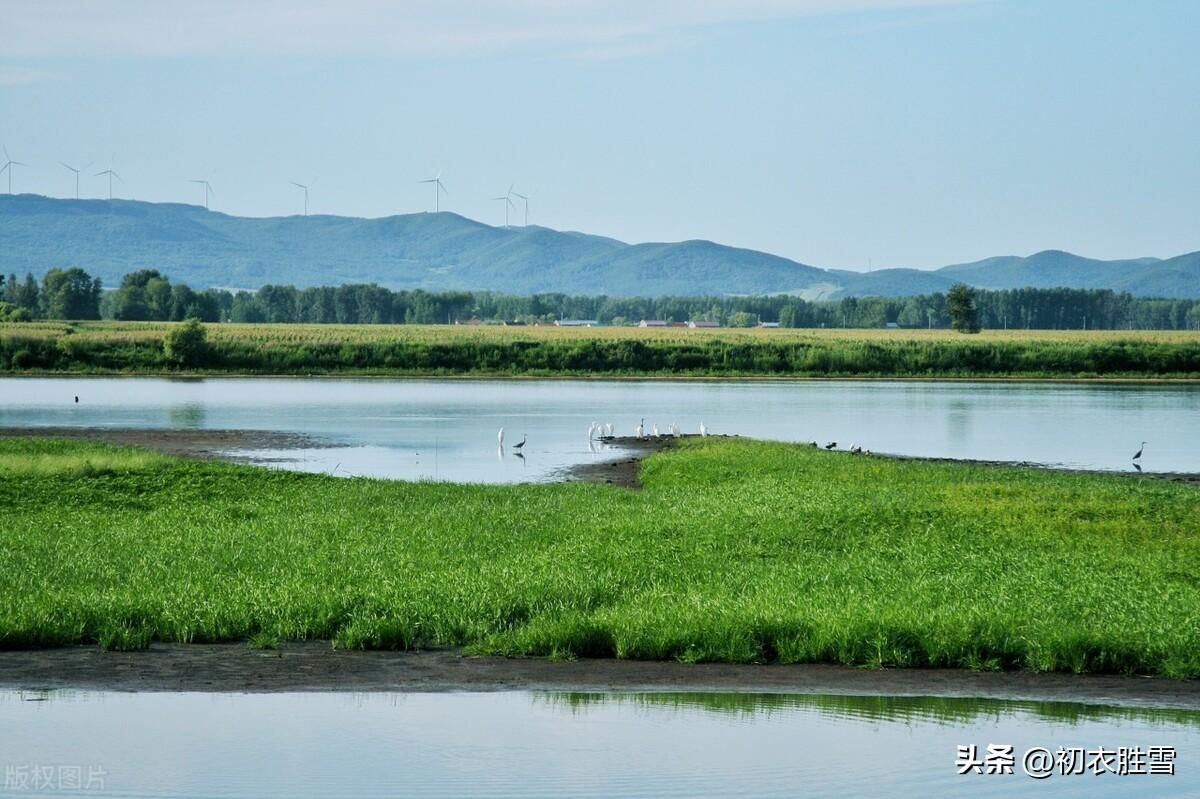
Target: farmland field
[
  {"x": 733, "y": 551},
  {"x": 132, "y": 347}
]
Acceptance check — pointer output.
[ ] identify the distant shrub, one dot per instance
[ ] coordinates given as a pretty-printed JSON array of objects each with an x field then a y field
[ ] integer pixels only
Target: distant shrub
[
  {"x": 22, "y": 359},
  {"x": 187, "y": 344},
  {"x": 14, "y": 313}
]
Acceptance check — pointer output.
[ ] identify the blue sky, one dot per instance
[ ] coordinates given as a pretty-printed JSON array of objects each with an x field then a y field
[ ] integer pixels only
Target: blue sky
[{"x": 900, "y": 132}]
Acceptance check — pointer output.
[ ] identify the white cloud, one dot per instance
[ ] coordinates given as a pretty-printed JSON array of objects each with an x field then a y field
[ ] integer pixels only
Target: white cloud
[{"x": 55, "y": 29}]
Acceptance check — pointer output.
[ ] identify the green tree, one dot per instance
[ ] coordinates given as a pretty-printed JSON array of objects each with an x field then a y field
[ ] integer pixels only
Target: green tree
[
  {"x": 911, "y": 315},
  {"x": 186, "y": 344},
  {"x": 14, "y": 313},
  {"x": 70, "y": 294},
  {"x": 960, "y": 304},
  {"x": 143, "y": 295},
  {"x": 23, "y": 295},
  {"x": 742, "y": 319}
]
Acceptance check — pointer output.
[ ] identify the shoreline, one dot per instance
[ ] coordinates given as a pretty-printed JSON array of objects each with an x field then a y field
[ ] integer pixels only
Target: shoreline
[
  {"x": 654, "y": 378},
  {"x": 622, "y": 471},
  {"x": 309, "y": 666},
  {"x": 203, "y": 444}
]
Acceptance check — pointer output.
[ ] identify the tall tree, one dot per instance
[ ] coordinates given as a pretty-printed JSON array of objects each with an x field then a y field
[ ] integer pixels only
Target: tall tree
[
  {"x": 960, "y": 304},
  {"x": 70, "y": 294}
]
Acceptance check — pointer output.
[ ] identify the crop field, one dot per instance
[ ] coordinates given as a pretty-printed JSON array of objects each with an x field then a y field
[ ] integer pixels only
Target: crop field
[
  {"x": 132, "y": 347},
  {"x": 733, "y": 551}
]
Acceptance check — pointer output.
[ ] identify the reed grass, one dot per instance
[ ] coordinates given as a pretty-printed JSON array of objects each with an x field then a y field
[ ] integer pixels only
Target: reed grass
[{"x": 131, "y": 347}]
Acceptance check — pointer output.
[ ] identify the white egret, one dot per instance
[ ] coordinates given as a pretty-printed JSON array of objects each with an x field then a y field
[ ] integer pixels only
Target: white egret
[
  {"x": 500, "y": 437},
  {"x": 640, "y": 432},
  {"x": 703, "y": 430},
  {"x": 655, "y": 429}
]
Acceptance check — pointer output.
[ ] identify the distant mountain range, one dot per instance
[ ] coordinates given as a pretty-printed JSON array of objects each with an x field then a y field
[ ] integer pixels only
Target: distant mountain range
[{"x": 440, "y": 251}]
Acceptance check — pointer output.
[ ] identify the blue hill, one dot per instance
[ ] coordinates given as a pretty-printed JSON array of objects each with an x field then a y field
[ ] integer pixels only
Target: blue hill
[{"x": 440, "y": 251}]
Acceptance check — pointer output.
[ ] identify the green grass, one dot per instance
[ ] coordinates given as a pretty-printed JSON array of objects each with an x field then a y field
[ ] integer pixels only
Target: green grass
[
  {"x": 734, "y": 551},
  {"x": 137, "y": 348}
]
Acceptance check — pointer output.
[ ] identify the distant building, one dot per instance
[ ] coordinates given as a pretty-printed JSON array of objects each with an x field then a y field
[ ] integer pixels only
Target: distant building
[
  {"x": 652, "y": 323},
  {"x": 768, "y": 324},
  {"x": 467, "y": 322},
  {"x": 703, "y": 323},
  {"x": 892, "y": 326},
  {"x": 576, "y": 323}
]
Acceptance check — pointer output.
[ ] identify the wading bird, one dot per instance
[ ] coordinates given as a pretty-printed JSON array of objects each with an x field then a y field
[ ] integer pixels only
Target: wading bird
[
  {"x": 76, "y": 399},
  {"x": 521, "y": 446},
  {"x": 703, "y": 430},
  {"x": 500, "y": 437},
  {"x": 1141, "y": 449},
  {"x": 655, "y": 430},
  {"x": 640, "y": 432}
]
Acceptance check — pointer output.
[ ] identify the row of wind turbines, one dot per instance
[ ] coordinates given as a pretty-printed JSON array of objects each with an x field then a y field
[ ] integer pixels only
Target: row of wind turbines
[
  {"x": 439, "y": 188},
  {"x": 9, "y": 165}
]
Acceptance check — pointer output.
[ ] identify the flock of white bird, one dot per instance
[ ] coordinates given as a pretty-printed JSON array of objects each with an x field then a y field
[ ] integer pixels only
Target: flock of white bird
[{"x": 599, "y": 432}]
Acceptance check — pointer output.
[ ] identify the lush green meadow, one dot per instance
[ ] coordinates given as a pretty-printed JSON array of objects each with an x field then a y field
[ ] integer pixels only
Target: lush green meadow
[
  {"x": 137, "y": 347},
  {"x": 734, "y": 551}
]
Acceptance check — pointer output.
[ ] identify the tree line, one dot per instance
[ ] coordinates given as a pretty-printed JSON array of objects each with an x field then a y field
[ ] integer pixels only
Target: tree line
[{"x": 148, "y": 295}]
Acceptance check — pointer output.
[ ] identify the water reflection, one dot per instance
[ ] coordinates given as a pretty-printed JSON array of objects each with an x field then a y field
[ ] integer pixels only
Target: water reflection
[
  {"x": 523, "y": 744},
  {"x": 383, "y": 424},
  {"x": 188, "y": 415},
  {"x": 954, "y": 711}
]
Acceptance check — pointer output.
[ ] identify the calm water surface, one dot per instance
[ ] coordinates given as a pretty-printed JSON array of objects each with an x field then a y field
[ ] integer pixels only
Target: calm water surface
[
  {"x": 530, "y": 744},
  {"x": 446, "y": 429}
]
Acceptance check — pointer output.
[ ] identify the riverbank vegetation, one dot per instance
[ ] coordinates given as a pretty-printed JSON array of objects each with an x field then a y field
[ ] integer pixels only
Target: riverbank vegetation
[
  {"x": 132, "y": 347},
  {"x": 148, "y": 295},
  {"x": 733, "y": 551}
]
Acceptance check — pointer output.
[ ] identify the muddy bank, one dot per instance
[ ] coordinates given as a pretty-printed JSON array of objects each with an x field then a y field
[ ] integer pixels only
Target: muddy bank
[
  {"x": 625, "y": 471},
  {"x": 184, "y": 443},
  {"x": 316, "y": 666}
]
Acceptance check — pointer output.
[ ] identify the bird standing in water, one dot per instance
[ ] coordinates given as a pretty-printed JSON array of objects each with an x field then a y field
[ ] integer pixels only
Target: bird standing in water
[
  {"x": 522, "y": 444},
  {"x": 1138, "y": 455}
]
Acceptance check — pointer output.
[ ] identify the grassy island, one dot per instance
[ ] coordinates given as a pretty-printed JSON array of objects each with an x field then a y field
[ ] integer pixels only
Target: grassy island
[{"x": 733, "y": 551}]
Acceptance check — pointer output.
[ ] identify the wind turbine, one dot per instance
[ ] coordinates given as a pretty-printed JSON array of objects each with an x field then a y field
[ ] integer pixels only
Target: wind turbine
[
  {"x": 208, "y": 188},
  {"x": 526, "y": 199},
  {"x": 9, "y": 164},
  {"x": 111, "y": 174},
  {"x": 508, "y": 203},
  {"x": 438, "y": 188},
  {"x": 302, "y": 186},
  {"x": 76, "y": 171}
]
